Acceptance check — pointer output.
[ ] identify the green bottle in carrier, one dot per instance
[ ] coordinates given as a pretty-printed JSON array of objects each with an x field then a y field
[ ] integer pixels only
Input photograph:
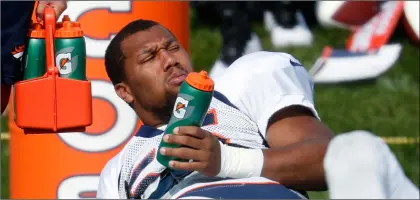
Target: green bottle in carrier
[
  {"x": 33, "y": 60},
  {"x": 70, "y": 50},
  {"x": 190, "y": 107}
]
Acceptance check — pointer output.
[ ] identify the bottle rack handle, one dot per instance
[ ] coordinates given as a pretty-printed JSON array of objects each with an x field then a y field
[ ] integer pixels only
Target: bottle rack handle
[{"x": 49, "y": 21}]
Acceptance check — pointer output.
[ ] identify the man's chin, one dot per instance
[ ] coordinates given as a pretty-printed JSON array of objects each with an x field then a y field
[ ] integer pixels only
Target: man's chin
[{"x": 174, "y": 90}]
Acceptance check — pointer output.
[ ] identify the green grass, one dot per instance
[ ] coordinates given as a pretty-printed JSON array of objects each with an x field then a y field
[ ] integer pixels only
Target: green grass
[
  {"x": 388, "y": 106},
  {"x": 4, "y": 170}
]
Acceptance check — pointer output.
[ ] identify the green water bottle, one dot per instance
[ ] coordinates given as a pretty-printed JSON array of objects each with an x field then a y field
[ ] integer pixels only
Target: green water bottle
[
  {"x": 33, "y": 60},
  {"x": 70, "y": 50},
  {"x": 190, "y": 108}
]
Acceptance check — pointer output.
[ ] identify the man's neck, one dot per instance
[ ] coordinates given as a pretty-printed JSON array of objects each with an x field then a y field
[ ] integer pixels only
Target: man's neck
[
  {"x": 153, "y": 119},
  {"x": 152, "y": 122}
]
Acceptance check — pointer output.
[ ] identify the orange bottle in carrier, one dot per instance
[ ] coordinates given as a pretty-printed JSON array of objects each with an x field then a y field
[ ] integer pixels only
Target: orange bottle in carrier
[{"x": 50, "y": 103}]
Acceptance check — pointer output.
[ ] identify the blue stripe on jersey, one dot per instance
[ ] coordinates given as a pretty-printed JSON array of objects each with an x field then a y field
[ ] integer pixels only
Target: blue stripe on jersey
[
  {"x": 295, "y": 64},
  {"x": 242, "y": 191},
  {"x": 219, "y": 96},
  {"x": 148, "y": 131},
  {"x": 136, "y": 172},
  {"x": 169, "y": 178}
]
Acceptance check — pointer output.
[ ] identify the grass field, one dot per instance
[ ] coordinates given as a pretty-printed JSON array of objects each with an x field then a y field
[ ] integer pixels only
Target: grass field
[{"x": 388, "y": 106}]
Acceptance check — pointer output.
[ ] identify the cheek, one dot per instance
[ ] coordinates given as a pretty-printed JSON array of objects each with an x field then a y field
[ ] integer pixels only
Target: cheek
[
  {"x": 185, "y": 60},
  {"x": 149, "y": 86}
]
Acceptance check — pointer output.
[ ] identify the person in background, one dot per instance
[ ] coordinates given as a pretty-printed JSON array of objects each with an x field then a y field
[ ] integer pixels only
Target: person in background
[
  {"x": 15, "y": 22},
  {"x": 285, "y": 23},
  {"x": 238, "y": 38},
  {"x": 282, "y": 19}
]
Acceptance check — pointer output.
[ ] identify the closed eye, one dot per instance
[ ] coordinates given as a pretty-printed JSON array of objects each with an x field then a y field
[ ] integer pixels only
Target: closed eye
[
  {"x": 148, "y": 55},
  {"x": 173, "y": 47},
  {"x": 148, "y": 58}
]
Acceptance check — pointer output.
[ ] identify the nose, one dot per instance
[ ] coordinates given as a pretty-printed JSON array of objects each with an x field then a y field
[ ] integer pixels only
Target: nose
[{"x": 168, "y": 60}]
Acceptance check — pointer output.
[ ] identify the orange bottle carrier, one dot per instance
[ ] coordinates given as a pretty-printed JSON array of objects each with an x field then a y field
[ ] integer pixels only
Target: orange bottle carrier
[{"x": 50, "y": 103}]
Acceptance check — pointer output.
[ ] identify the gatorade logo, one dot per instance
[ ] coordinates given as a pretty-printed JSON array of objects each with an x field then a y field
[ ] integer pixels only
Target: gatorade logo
[
  {"x": 180, "y": 107},
  {"x": 65, "y": 62}
]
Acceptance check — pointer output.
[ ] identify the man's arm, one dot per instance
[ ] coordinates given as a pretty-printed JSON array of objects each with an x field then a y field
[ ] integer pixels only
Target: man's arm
[
  {"x": 279, "y": 98},
  {"x": 298, "y": 142}
]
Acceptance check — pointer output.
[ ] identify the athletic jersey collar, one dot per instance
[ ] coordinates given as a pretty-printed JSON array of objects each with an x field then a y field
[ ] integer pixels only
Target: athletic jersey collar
[{"x": 149, "y": 132}]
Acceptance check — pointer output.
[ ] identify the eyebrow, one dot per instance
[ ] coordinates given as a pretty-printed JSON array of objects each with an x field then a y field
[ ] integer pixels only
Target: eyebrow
[
  {"x": 169, "y": 41},
  {"x": 148, "y": 50},
  {"x": 153, "y": 49}
]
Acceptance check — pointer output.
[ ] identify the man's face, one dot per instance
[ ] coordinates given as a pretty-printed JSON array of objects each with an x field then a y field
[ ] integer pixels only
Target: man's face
[{"x": 155, "y": 65}]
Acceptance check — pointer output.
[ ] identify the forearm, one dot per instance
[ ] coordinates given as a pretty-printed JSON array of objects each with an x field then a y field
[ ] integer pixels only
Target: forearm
[
  {"x": 295, "y": 157},
  {"x": 298, "y": 166}
]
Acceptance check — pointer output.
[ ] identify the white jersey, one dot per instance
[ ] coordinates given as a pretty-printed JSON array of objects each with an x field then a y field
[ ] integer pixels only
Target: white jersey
[{"x": 252, "y": 89}]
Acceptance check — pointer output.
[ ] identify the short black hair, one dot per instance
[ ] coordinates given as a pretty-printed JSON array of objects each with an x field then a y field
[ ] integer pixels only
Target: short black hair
[{"x": 114, "y": 57}]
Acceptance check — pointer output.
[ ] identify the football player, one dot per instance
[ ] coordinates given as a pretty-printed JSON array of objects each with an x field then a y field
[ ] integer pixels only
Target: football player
[{"x": 262, "y": 137}]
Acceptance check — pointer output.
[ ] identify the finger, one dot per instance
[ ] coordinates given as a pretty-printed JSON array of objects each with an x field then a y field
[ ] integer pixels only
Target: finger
[
  {"x": 183, "y": 153},
  {"x": 184, "y": 140},
  {"x": 40, "y": 10},
  {"x": 187, "y": 166},
  {"x": 59, "y": 7},
  {"x": 191, "y": 130}
]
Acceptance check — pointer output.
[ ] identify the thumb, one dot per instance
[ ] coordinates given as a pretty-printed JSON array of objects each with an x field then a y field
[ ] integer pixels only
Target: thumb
[{"x": 59, "y": 7}]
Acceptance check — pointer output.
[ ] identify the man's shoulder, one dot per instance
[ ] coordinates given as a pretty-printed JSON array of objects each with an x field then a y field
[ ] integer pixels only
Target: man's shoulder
[
  {"x": 256, "y": 70},
  {"x": 113, "y": 165},
  {"x": 141, "y": 141},
  {"x": 257, "y": 65},
  {"x": 261, "y": 62},
  {"x": 108, "y": 181}
]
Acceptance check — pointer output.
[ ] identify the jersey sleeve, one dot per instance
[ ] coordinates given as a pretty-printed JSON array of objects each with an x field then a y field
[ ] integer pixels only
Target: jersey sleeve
[
  {"x": 108, "y": 181},
  {"x": 262, "y": 83}
]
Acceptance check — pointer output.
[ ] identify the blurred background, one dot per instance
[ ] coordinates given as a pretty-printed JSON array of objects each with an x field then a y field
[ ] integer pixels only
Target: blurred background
[{"x": 375, "y": 93}]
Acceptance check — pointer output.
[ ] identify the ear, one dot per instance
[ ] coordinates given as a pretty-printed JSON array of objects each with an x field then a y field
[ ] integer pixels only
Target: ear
[{"x": 124, "y": 92}]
